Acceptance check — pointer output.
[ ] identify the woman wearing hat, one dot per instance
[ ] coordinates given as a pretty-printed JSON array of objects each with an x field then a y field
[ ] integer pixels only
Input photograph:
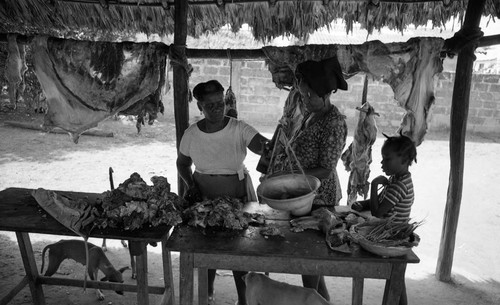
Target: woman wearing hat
[
  {"x": 217, "y": 145},
  {"x": 320, "y": 137}
]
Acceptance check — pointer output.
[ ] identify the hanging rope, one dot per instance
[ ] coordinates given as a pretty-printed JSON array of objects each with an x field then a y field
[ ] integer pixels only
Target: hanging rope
[
  {"x": 230, "y": 97},
  {"x": 282, "y": 140},
  {"x": 465, "y": 37},
  {"x": 230, "y": 68},
  {"x": 177, "y": 55}
]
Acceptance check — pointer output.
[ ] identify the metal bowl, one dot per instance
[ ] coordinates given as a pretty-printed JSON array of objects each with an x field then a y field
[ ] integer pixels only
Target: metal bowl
[{"x": 292, "y": 192}]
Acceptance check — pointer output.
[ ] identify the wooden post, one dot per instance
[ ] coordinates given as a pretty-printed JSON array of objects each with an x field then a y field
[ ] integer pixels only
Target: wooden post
[
  {"x": 180, "y": 79},
  {"x": 458, "y": 123}
]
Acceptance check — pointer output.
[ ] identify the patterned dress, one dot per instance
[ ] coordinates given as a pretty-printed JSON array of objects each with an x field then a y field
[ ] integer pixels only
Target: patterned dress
[{"x": 321, "y": 145}]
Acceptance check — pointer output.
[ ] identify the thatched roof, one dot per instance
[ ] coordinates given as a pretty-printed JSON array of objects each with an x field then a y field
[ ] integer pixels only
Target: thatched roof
[{"x": 115, "y": 19}]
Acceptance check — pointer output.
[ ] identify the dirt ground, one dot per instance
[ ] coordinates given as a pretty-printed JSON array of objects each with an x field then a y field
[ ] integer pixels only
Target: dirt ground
[{"x": 33, "y": 159}]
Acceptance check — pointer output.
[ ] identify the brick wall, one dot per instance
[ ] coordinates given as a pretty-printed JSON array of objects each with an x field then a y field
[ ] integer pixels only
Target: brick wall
[{"x": 260, "y": 102}]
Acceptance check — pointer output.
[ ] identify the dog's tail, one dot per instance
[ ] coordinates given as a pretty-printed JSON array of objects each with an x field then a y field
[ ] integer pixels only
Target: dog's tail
[{"x": 43, "y": 257}]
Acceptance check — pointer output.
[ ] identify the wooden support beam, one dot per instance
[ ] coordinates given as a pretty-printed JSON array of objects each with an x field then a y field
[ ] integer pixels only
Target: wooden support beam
[
  {"x": 236, "y": 54},
  {"x": 458, "y": 123},
  {"x": 239, "y": 54},
  {"x": 180, "y": 78},
  {"x": 491, "y": 40}
]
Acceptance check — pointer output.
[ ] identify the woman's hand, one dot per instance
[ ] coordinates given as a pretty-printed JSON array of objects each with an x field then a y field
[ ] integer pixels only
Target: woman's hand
[
  {"x": 357, "y": 206},
  {"x": 193, "y": 194},
  {"x": 360, "y": 205}
]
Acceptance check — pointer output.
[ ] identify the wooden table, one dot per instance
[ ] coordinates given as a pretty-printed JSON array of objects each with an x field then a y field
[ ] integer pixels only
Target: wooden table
[
  {"x": 19, "y": 212},
  {"x": 297, "y": 253}
]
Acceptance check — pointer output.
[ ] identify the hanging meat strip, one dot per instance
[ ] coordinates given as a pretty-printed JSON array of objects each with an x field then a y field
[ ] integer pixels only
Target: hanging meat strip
[
  {"x": 358, "y": 157},
  {"x": 15, "y": 67},
  {"x": 230, "y": 101}
]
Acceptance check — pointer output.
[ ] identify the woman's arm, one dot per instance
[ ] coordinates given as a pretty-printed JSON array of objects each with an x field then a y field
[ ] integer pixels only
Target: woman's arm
[
  {"x": 378, "y": 209},
  {"x": 258, "y": 144},
  {"x": 318, "y": 172},
  {"x": 184, "y": 169}
]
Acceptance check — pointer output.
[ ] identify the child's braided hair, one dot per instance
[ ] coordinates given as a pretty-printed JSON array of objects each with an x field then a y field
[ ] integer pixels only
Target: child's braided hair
[{"x": 401, "y": 145}]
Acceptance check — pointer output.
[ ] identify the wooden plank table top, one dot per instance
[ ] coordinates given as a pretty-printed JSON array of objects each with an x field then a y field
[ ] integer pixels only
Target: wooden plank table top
[
  {"x": 21, "y": 213},
  {"x": 308, "y": 244},
  {"x": 300, "y": 253}
]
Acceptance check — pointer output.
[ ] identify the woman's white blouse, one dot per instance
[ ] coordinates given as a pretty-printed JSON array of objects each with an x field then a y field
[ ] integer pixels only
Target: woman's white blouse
[{"x": 221, "y": 152}]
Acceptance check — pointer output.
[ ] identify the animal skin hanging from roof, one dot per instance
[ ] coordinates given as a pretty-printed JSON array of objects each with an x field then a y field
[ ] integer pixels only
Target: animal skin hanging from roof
[
  {"x": 87, "y": 82},
  {"x": 408, "y": 67}
]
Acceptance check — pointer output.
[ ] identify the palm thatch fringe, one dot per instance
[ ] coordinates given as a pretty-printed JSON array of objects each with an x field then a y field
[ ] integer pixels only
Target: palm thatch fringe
[{"x": 125, "y": 18}]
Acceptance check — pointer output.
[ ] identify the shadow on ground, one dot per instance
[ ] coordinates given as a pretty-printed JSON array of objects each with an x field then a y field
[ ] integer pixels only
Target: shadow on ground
[{"x": 47, "y": 147}]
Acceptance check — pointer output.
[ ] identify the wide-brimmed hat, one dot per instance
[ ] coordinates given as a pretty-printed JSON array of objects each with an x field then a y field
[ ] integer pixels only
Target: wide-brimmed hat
[{"x": 322, "y": 76}]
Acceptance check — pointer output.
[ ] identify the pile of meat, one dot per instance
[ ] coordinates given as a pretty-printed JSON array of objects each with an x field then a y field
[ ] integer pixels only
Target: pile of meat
[
  {"x": 334, "y": 225},
  {"x": 224, "y": 212},
  {"x": 134, "y": 205}
]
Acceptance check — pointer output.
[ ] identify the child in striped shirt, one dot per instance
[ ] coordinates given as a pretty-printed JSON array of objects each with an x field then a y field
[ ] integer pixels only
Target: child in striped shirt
[{"x": 396, "y": 197}]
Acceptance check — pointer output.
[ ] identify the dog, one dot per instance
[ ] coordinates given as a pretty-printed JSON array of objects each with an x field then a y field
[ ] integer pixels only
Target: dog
[
  {"x": 261, "y": 290},
  {"x": 75, "y": 250}
]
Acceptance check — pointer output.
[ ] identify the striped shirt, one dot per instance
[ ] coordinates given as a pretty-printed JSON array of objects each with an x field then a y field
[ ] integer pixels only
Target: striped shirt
[{"x": 399, "y": 192}]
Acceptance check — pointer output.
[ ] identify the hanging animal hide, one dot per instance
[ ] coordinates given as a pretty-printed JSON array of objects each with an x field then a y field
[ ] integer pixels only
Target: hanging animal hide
[
  {"x": 409, "y": 68},
  {"x": 148, "y": 107},
  {"x": 87, "y": 82}
]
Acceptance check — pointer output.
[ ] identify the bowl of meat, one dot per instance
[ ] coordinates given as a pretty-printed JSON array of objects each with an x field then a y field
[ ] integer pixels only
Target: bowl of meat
[{"x": 290, "y": 192}]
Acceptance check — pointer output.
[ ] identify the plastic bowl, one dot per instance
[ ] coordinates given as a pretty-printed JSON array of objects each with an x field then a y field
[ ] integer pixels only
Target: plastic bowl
[{"x": 292, "y": 192}]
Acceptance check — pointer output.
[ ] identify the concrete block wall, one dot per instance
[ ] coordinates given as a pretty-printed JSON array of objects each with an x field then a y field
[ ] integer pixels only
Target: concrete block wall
[{"x": 260, "y": 102}]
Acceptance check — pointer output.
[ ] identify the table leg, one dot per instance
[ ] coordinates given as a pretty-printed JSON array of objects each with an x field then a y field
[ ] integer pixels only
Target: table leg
[
  {"x": 186, "y": 262},
  {"x": 142, "y": 277},
  {"x": 357, "y": 290},
  {"x": 403, "y": 300},
  {"x": 394, "y": 285},
  {"x": 29, "y": 263},
  {"x": 202, "y": 286},
  {"x": 168, "y": 278}
]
